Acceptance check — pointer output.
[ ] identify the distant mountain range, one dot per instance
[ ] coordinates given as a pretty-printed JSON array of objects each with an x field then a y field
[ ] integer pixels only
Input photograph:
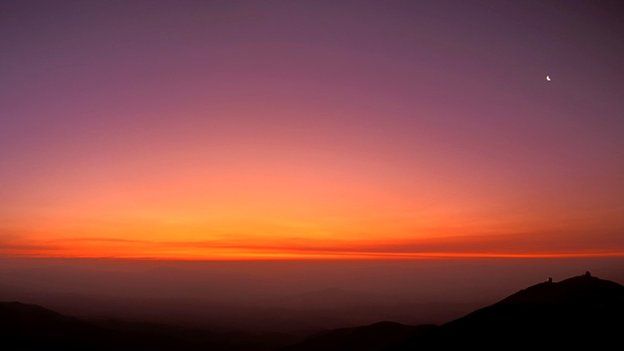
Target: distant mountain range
[
  {"x": 582, "y": 311},
  {"x": 31, "y": 327}
]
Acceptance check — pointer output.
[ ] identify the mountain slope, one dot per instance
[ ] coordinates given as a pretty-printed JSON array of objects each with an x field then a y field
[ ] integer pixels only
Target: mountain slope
[
  {"x": 31, "y": 327},
  {"x": 580, "y": 311},
  {"x": 378, "y": 336}
]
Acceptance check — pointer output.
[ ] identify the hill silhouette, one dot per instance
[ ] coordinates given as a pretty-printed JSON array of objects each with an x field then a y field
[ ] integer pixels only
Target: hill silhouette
[
  {"x": 582, "y": 311},
  {"x": 32, "y": 327},
  {"x": 579, "y": 311},
  {"x": 377, "y": 336}
]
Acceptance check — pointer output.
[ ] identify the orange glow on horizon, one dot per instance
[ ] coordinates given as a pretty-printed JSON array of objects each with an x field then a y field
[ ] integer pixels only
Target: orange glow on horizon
[
  {"x": 317, "y": 256},
  {"x": 218, "y": 251},
  {"x": 302, "y": 209}
]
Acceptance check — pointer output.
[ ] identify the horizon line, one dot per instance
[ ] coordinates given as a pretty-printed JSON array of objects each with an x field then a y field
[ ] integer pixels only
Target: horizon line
[{"x": 334, "y": 256}]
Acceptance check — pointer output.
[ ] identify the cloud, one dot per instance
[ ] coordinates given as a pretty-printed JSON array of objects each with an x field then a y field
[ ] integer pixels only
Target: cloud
[{"x": 551, "y": 244}]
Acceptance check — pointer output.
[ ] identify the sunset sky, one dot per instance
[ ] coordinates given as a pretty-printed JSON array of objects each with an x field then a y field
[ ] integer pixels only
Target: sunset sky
[{"x": 229, "y": 130}]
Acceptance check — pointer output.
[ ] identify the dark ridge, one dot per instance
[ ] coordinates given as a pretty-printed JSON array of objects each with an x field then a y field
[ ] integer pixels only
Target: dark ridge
[
  {"x": 584, "y": 289},
  {"x": 582, "y": 311},
  {"x": 377, "y": 336},
  {"x": 32, "y": 327}
]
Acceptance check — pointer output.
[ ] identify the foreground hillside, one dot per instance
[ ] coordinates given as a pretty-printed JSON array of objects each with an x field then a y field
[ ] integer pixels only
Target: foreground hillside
[
  {"x": 31, "y": 327},
  {"x": 582, "y": 311}
]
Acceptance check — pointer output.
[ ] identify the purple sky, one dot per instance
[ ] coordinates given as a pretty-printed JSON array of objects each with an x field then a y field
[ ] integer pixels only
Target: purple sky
[{"x": 352, "y": 123}]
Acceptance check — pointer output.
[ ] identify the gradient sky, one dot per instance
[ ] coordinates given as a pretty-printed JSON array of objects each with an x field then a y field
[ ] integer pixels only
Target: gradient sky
[{"x": 311, "y": 129}]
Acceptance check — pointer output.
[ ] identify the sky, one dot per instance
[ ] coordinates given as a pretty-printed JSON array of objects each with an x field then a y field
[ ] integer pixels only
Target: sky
[{"x": 262, "y": 130}]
